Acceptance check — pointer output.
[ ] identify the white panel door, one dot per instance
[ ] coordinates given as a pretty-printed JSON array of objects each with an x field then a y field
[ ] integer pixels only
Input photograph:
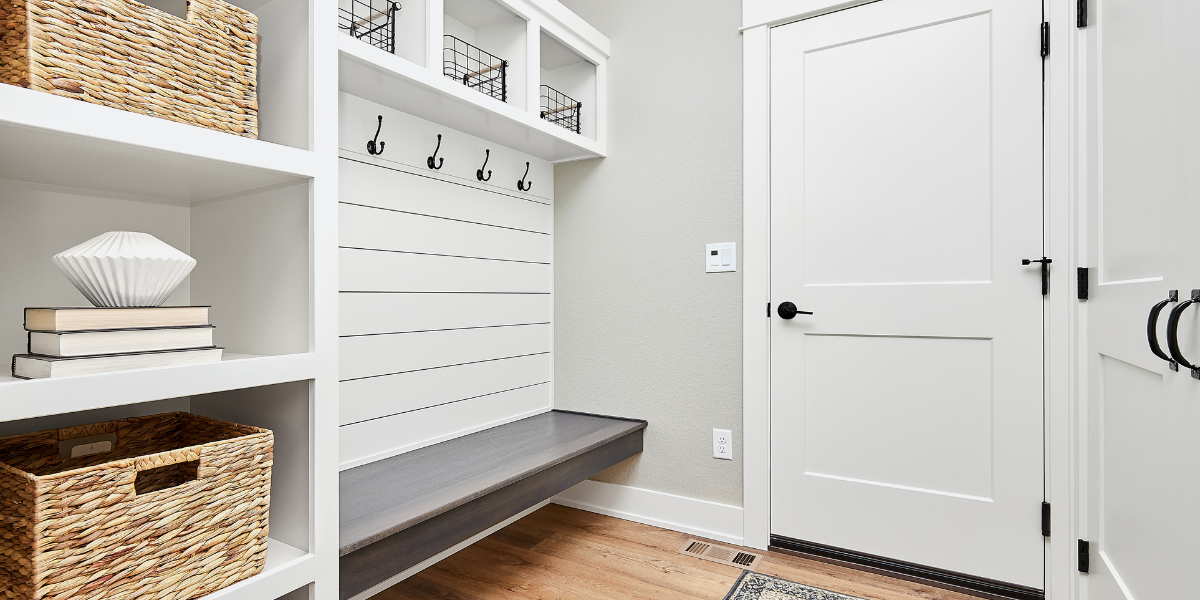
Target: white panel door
[
  {"x": 906, "y": 188},
  {"x": 1141, "y": 418}
]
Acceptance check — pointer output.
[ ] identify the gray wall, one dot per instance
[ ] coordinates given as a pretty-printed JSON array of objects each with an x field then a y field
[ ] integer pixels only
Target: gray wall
[{"x": 640, "y": 329}]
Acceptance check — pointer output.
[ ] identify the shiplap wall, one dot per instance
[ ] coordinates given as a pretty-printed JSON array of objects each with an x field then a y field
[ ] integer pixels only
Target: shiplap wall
[{"x": 445, "y": 285}]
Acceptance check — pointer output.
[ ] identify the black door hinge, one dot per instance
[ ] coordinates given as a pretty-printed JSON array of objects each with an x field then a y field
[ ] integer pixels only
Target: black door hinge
[
  {"x": 1081, "y": 16},
  {"x": 1085, "y": 556},
  {"x": 1045, "y": 39},
  {"x": 1045, "y": 519},
  {"x": 1082, "y": 291},
  {"x": 768, "y": 310}
]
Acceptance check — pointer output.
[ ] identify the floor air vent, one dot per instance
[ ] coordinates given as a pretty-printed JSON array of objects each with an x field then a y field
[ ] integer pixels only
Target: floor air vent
[{"x": 721, "y": 554}]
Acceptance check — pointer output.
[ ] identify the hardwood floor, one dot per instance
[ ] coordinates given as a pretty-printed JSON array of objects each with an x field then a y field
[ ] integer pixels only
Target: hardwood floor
[{"x": 560, "y": 553}]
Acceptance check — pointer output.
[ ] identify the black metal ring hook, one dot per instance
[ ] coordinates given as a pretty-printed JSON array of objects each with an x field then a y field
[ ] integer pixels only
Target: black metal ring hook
[
  {"x": 375, "y": 147},
  {"x": 479, "y": 173},
  {"x": 521, "y": 185},
  {"x": 440, "y": 161},
  {"x": 1152, "y": 329},
  {"x": 1173, "y": 333}
]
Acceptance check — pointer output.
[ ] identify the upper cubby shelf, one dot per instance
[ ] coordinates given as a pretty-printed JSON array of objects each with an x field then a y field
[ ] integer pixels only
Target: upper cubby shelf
[
  {"x": 60, "y": 141},
  {"x": 567, "y": 94},
  {"x": 67, "y": 141},
  {"x": 482, "y": 67}
]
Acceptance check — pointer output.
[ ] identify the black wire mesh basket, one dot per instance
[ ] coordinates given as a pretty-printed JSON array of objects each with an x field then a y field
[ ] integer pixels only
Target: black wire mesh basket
[
  {"x": 476, "y": 69},
  {"x": 560, "y": 109},
  {"x": 372, "y": 21}
]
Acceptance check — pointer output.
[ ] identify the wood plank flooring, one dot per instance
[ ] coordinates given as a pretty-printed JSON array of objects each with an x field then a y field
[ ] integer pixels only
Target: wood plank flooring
[{"x": 560, "y": 553}]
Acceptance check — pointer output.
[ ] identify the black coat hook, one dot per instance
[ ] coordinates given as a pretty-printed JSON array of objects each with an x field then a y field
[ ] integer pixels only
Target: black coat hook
[
  {"x": 479, "y": 173},
  {"x": 522, "y": 185},
  {"x": 438, "y": 164},
  {"x": 375, "y": 147}
]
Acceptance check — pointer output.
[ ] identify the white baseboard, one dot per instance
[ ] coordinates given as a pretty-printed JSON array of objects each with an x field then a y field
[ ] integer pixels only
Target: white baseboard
[
  {"x": 702, "y": 518},
  {"x": 429, "y": 562}
]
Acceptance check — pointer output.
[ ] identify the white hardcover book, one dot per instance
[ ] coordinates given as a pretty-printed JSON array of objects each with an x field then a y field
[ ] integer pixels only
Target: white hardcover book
[
  {"x": 91, "y": 318},
  {"x": 119, "y": 341},
  {"x": 32, "y": 366}
]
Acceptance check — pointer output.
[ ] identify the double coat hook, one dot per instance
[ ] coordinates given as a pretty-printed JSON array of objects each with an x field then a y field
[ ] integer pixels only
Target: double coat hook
[
  {"x": 438, "y": 164},
  {"x": 375, "y": 147},
  {"x": 479, "y": 173},
  {"x": 522, "y": 184}
]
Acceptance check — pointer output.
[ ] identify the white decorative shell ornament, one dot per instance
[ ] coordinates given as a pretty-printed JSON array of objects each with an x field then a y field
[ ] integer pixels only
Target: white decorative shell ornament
[{"x": 122, "y": 269}]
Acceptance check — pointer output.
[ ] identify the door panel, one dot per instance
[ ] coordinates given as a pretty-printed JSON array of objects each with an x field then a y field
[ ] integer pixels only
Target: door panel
[
  {"x": 906, "y": 414},
  {"x": 868, "y": 101},
  {"x": 850, "y": 417},
  {"x": 1134, "y": 151},
  {"x": 1138, "y": 184},
  {"x": 1131, "y": 410}
]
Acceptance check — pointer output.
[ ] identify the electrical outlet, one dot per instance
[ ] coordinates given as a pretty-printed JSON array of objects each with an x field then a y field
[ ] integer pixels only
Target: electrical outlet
[{"x": 723, "y": 444}]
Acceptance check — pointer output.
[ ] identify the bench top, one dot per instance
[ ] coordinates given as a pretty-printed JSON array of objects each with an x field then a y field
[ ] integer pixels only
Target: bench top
[{"x": 388, "y": 496}]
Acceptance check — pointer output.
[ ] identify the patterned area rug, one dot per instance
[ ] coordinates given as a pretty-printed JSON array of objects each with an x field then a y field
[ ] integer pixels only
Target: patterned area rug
[{"x": 756, "y": 586}]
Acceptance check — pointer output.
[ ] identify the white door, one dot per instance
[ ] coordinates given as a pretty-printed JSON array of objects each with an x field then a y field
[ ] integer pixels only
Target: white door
[
  {"x": 1141, "y": 420},
  {"x": 906, "y": 188}
]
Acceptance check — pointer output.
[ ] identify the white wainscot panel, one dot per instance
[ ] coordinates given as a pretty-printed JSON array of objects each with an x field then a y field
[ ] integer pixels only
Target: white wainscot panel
[
  {"x": 391, "y": 188},
  {"x": 378, "y": 271},
  {"x": 394, "y": 313},
  {"x": 374, "y": 397},
  {"x": 377, "y": 439},
  {"x": 367, "y": 227},
  {"x": 367, "y": 355},
  {"x": 917, "y": 415},
  {"x": 917, "y": 208}
]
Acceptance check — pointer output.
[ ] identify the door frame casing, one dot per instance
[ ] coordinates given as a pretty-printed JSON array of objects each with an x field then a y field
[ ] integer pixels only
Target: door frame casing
[{"x": 1064, "y": 241}]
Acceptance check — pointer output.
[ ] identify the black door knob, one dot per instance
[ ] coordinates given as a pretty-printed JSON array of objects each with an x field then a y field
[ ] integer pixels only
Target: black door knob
[{"x": 787, "y": 310}]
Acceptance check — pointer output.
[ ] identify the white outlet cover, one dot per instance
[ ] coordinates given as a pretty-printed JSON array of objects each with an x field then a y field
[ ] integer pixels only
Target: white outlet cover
[
  {"x": 723, "y": 444},
  {"x": 720, "y": 258}
]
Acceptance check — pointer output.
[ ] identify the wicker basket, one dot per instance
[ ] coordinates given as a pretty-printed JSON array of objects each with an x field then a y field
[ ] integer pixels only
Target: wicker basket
[
  {"x": 177, "y": 509},
  {"x": 126, "y": 55}
]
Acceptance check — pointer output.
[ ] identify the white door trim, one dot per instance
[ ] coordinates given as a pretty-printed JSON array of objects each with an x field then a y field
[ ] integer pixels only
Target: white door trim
[
  {"x": 1063, "y": 243},
  {"x": 758, "y": 13},
  {"x": 1063, "y": 239},
  {"x": 756, "y": 288}
]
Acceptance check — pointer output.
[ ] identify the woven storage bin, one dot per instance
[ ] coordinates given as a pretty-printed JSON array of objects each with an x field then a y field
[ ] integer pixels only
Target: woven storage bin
[
  {"x": 126, "y": 55},
  {"x": 111, "y": 526}
]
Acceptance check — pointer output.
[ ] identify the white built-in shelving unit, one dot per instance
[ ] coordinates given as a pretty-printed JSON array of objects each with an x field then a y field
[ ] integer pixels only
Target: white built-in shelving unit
[
  {"x": 261, "y": 218},
  {"x": 412, "y": 79}
]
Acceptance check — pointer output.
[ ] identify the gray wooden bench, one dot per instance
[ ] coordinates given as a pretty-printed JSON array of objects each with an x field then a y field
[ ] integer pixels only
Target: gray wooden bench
[{"x": 400, "y": 511}]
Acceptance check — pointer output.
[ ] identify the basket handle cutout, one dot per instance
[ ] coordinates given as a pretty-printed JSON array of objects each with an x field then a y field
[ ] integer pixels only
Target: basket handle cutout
[
  {"x": 166, "y": 477},
  {"x": 87, "y": 445}
]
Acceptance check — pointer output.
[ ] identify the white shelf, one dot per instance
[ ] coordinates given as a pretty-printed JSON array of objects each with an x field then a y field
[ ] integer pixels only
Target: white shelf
[
  {"x": 287, "y": 569},
  {"x": 49, "y": 139},
  {"x": 24, "y": 399},
  {"x": 371, "y": 73}
]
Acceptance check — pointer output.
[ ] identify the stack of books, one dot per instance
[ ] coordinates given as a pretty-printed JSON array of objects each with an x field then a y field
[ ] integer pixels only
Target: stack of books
[{"x": 65, "y": 342}]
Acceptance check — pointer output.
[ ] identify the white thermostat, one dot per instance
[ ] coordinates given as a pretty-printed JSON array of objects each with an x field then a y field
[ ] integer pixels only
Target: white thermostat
[{"x": 720, "y": 258}]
